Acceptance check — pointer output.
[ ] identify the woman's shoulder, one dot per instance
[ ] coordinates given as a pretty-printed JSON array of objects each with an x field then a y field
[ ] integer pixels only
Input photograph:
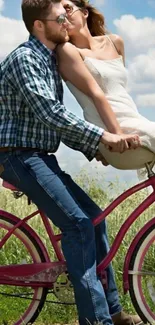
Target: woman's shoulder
[
  {"x": 119, "y": 45},
  {"x": 117, "y": 40},
  {"x": 114, "y": 38},
  {"x": 66, "y": 48}
]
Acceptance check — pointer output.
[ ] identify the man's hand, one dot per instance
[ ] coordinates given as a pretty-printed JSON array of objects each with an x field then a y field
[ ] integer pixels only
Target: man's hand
[
  {"x": 99, "y": 157},
  {"x": 120, "y": 143}
]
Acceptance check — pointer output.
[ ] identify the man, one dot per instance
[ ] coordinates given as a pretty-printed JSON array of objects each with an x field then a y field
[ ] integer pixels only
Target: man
[{"x": 33, "y": 121}]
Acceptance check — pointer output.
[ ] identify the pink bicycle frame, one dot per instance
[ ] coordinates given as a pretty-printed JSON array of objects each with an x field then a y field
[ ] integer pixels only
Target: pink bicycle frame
[
  {"x": 126, "y": 225},
  {"x": 56, "y": 238}
]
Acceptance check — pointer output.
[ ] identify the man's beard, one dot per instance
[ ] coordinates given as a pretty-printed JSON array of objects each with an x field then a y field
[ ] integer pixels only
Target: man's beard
[{"x": 56, "y": 38}]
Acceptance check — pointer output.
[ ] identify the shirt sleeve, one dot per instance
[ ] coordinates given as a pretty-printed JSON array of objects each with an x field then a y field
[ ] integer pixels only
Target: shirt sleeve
[{"x": 38, "y": 88}]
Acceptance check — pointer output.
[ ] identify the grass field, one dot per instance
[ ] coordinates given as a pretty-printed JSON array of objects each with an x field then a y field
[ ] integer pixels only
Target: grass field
[{"x": 53, "y": 313}]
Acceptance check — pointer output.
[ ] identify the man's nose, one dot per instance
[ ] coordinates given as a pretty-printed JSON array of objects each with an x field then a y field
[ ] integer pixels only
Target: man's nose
[{"x": 66, "y": 22}]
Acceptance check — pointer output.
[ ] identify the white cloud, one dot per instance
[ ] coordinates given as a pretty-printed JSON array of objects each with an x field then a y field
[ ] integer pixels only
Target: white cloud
[
  {"x": 143, "y": 67},
  {"x": 74, "y": 163},
  {"x": 138, "y": 33},
  {"x": 12, "y": 35},
  {"x": 147, "y": 100},
  {"x": 98, "y": 3},
  {"x": 141, "y": 61},
  {"x": 141, "y": 72}
]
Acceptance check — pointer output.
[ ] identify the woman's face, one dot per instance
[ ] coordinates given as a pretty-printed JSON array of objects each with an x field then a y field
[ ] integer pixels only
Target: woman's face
[{"x": 75, "y": 16}]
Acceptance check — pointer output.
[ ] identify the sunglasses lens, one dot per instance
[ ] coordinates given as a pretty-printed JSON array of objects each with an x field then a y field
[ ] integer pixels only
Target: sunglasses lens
[
  {"x": 69, "y": 9},
  {"x": 61, "y": 19}
]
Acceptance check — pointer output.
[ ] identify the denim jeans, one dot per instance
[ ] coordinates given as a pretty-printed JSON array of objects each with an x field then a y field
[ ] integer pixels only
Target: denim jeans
[{"x": 39, "y": 176}]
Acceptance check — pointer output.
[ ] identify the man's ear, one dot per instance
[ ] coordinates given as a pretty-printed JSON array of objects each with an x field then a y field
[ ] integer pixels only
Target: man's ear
[{"x": 38, "y": 25}]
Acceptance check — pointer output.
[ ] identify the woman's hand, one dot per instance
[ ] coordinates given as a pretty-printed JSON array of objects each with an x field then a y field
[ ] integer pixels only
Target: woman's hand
[{"x": 120, "y": 143}]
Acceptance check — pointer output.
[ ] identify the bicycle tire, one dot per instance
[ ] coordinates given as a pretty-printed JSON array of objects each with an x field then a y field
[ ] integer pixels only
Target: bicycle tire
[
  {"x": 26, "y": 239},
  {"x": 138, "y": 287}
]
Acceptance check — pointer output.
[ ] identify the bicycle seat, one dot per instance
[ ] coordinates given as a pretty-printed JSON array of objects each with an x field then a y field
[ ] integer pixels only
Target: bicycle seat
[
  {"x": 130, "y": 159},
  {"x": 9, "y": 186}
]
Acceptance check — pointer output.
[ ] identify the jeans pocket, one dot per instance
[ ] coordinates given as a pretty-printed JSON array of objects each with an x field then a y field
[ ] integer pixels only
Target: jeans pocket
[
  {"x": 3, "y": 158},
  {"x": 8, "y": 169}
]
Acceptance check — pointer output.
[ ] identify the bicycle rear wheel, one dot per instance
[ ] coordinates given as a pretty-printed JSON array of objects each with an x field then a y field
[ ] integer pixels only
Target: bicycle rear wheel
[
  {"x": 142, "y": 276},
  {"x": 19, "y": 305}
]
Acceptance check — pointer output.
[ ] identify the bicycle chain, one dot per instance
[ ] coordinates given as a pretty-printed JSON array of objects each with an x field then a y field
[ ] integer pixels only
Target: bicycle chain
[{"x": 48, "y": 301}]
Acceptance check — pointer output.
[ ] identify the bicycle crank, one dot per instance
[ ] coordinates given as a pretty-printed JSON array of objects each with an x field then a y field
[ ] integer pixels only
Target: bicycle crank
[{"x": 63, "y": 289}]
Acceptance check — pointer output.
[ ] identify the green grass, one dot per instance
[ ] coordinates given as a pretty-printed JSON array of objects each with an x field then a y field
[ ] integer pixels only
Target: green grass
[{"x": 67, "y": 314}]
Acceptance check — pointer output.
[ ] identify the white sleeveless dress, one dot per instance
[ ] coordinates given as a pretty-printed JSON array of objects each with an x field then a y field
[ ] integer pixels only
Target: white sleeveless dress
[{"x": 111, "y": 75}]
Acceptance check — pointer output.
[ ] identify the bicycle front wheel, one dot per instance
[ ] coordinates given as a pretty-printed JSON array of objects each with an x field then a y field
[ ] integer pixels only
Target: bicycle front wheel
[
  {"x": 19, "y": 305},
  {"x": 142, "y": 276}
]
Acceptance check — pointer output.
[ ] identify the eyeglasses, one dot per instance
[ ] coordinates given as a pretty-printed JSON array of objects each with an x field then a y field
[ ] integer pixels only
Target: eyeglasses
[
  {"x": 60, "y": 19},
  {"x": 70, "y": 10}
]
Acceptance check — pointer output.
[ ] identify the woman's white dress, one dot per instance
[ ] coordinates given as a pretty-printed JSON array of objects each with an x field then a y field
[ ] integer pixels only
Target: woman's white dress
[{"x": 111, "y": 75}]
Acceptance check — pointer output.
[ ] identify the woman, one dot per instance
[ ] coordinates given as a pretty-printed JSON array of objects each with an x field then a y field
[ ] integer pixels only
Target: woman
[{"x": 92, "y": 65}]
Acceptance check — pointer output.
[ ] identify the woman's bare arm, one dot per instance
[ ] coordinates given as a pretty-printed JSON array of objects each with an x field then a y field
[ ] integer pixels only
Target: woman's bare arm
[{"x": 73, "y": 69}]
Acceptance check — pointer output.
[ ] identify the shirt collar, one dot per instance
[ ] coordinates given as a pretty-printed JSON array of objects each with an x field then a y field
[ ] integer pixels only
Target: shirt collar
[{"x": 39, "y": 46}]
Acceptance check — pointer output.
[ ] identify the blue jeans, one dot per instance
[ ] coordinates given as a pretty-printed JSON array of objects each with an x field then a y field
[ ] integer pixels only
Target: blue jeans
[{"x": 39, "y": 176}]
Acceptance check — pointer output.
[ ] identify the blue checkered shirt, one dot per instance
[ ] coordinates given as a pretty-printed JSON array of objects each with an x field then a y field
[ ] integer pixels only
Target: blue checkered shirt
[{"x": 32, "y": 113}]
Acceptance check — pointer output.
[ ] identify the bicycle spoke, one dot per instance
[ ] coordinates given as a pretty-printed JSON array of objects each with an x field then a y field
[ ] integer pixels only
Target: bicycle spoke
[{"x": 141, "y": 273}]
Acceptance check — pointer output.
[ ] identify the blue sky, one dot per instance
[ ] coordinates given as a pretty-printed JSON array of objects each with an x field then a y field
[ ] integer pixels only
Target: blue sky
[
  {"x": 12, "y": 9},
  {"x": 111, "y": 9},
  {"x": 134, "y": 20}
]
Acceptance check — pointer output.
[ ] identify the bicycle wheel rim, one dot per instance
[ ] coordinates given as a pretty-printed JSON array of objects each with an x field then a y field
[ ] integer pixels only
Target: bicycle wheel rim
[
  {"x": 139, "y": 289},
  {"x": 39, "y": 294}
]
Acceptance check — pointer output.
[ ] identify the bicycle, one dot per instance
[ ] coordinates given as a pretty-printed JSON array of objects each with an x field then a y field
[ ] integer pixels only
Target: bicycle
[{"x": 39, "y": 274}]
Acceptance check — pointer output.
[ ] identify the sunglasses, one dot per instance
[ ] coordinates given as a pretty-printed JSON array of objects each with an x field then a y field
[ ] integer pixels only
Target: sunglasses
[
  {"x": 60, "y": 19},
  {"x": 70, "y": 10}
]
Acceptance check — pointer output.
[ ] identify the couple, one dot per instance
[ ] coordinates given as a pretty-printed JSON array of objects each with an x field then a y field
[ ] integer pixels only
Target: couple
[{"x": 33, "y": 121}]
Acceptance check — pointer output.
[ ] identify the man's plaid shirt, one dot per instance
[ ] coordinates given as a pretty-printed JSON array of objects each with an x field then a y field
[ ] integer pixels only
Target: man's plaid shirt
[{"x": 32, "y": 113}]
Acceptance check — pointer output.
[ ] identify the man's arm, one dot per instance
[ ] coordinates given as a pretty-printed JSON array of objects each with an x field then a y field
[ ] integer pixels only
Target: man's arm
[{"x": 28, "y": 74}]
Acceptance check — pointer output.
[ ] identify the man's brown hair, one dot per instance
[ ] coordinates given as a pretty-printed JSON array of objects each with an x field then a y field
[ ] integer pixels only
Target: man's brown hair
[{"x": 35, "y": 9}]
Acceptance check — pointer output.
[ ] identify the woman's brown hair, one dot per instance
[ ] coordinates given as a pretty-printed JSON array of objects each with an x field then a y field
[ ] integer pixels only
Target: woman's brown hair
[{"x": 95, "y": 20}]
